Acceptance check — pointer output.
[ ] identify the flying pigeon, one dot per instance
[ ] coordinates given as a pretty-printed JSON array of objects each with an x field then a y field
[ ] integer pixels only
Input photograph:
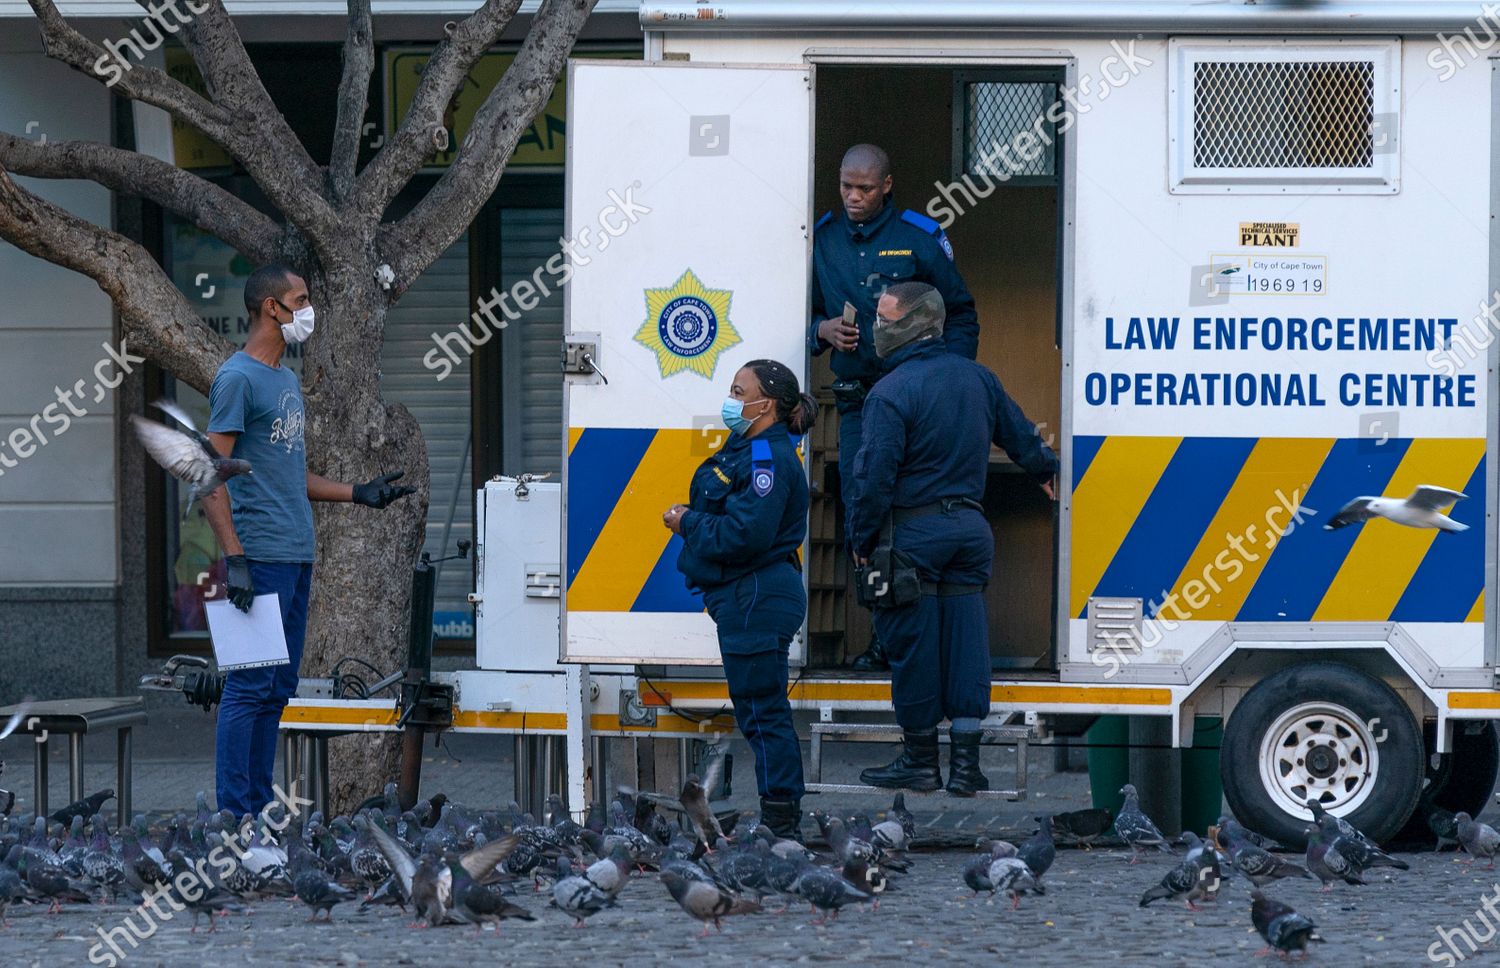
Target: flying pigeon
[
  {"x": 1135, "y": 828},
  {"x": 695, "y": 801},
  {"x": 1424, "y": 509},
  {"x": 186, "y": 455},
  {"x": 1478, "y": 839},
  {"x": 706, "y": 902},
  {"x": 1283, "y": 928}
]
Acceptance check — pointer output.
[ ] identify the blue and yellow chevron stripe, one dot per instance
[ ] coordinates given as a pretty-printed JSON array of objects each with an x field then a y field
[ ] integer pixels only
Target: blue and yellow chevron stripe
[{"x": 1197, "y": 517}]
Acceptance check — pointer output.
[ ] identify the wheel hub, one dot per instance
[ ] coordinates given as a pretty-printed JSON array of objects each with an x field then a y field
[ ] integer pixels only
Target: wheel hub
[{"x": 1319, "y": 751}]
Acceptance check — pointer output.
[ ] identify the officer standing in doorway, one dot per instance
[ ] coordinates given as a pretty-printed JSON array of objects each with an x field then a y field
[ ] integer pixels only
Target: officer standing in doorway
[
  {"x": 745, "y": 522},
  {"x": 856, "y": 255},
  {"x": 918, "y": 481}
]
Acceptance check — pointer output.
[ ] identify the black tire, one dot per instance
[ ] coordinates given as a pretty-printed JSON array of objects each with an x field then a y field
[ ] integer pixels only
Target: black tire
[
  {"x": 1397, "y": 750},
  {"x": 1459, "y": 780}
]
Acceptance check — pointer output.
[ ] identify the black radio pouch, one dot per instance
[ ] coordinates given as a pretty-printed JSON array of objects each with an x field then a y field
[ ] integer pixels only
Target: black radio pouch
[{"x": 890, "y": 578}]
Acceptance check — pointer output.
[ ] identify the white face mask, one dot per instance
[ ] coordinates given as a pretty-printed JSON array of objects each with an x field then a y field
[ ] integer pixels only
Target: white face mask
[{"x": 301, "y": 326}]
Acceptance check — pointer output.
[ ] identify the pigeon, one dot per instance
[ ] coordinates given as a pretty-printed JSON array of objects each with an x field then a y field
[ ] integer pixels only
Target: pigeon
[
  {"x": 366, "y": 860},
  {"x": 867, "y": 878},
  {"x": 578, "y": 896},
  {"x": 706, "y": 902},
  {"x": 1082, "y": 826},
  {"x": 976, "y": 871},
  {"x": 1356, "y": 848},
  {"x": 1478, "y": 839},
  {"x": 311, "y": 883},
  {"x": 428, "y": 881},
  {"x": 846, "y": 847},
  {"x": 1198, "y": 877},
  {"x": 1039, "y": 852},
  {"x": 1011, "y": 875},
  {"x": 101, "y": 865},
  {"x": 1240, "y": 832},
  {"x": 827, "y": 891},
  {"x": 1135, "y": 828},
  {"x": 1283, "y": 928},
  {"x": 1343, "y": 827},
  {"x": 84, "y": 808},
  {"x": 1326, "y": 862},
  {"x": 901, "y": 815},
  {"x": 478, "y": 903},
  {"x": 186, "y": 455},
  {"x": 1256, "y": 863},
  {"x": 1443, "y": 826},
  {"x": 201, "y": 893},
  {"x": 11, "y": 890},
  {"x": 48, "y": 879},
  {"x": 1423, "y": 509},
  {"x": 695, "y": 802},
  {"x": 610, "y": 874}
]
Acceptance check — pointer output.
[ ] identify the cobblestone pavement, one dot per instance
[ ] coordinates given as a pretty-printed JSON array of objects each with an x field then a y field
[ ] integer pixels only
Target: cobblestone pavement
[{"x": 1088, "y": 917}]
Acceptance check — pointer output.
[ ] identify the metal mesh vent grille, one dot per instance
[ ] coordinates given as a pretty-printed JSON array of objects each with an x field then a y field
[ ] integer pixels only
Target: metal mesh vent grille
[
  {"x": 997, "y": 112},
  {"x": 1283, "y": 114}
]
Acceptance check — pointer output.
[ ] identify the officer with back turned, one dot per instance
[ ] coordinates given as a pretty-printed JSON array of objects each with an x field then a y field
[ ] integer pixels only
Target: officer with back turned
[
  {"x": 873, "y": 244},
  {"x": 918, "y": 481}
]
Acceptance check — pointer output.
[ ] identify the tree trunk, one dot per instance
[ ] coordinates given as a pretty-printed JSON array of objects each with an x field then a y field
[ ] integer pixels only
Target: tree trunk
[{"x": 362, "y": 576}]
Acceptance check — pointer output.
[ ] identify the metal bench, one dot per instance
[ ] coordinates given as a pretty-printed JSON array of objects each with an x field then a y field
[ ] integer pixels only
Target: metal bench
[
  {"x": 1016, "y": 736},
  {"x": 74, "y": 718}
]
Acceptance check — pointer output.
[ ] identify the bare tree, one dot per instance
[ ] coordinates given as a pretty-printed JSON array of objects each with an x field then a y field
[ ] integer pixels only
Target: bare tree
[{"x": 332, "y": 228}]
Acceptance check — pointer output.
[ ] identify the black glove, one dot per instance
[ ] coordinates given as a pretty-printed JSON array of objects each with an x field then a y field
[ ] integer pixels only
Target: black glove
[
  {"x": 380, "y": 491},
  {"x": 237, "y": 575}
]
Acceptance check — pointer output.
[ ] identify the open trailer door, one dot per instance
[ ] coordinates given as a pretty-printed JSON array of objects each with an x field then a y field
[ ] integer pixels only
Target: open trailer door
[{"x": 687, "y": 219}]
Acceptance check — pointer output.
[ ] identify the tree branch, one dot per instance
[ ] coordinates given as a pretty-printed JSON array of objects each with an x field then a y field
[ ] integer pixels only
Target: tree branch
[
  {"x": 354, "y": 96},
  {"x": 201, "y": 202},
  {"x": 247, "y": 133},
  {"x": 444, "y": 213},
  {"x": 422, "y": 133},
  {"x": 157, "y": 319}
]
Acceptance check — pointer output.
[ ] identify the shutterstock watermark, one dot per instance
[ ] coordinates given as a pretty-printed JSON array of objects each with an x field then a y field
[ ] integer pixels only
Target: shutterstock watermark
[
  {"x": 522, "y": 296},
  {"x": 190, "y": 885},
  {"x": 1456, "y": 51},
  {"x": 1226, "y": 568},
  {"x": 1003, "y": 160},
  {"x": 29, "y": 438},
  {"x": 1467, "y": 341},
  {"x": 113, "y": 65},
  {"x": 1446, "y": 950}
]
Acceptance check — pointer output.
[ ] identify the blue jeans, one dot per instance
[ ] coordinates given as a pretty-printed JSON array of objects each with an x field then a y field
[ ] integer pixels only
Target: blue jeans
[{"x": 250, "y": 711}]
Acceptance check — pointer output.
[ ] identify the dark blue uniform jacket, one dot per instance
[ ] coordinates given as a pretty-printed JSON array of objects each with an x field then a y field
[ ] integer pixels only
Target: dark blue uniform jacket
[
  {"x": 928, "y": 428},
  {"x": 855, "y": 263},
  {"x": 747, "y": 508}
]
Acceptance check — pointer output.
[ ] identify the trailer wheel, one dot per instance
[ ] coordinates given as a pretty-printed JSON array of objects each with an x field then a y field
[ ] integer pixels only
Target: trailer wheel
[
  {"x": 1324, "y": 731},
  {"x": 1461, "y": 779}
]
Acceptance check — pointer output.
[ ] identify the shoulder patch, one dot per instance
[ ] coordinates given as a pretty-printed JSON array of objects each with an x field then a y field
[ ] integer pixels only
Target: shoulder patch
[
  {"x": 946, "y": 246},
  {"x": 827, "y": 217},
  {"x": 762, "y": 468},
  {"x": 921, "y": 221}
]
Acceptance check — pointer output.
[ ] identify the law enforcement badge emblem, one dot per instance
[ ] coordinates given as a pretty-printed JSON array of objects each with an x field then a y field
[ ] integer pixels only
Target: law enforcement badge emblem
[
  {"x": 687, "y": 326},
  {"x": 762, "y": 480}
]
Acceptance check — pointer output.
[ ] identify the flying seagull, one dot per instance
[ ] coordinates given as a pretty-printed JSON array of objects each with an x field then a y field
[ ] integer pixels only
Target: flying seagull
[
  {"x": 187, "y": 456},
  {"x": 1424, "y": 509}
]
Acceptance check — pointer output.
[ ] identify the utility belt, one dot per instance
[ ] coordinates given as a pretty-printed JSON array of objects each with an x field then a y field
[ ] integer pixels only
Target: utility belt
[
  {"x": 890, "y": 578},
  {"x": 850, "y": 394}
]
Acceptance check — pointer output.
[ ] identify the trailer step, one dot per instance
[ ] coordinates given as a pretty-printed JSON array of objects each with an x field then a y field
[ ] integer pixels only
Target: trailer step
[{"x": 1016, "y": 736}]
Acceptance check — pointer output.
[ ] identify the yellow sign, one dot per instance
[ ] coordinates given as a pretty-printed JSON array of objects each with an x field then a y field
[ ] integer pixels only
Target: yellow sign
[
  {"x": 687, "y": 326},
  {"x": 541, "y": 144},
  {"x": 1271, "y": 235},
  {"x": 192, "y": 148}
]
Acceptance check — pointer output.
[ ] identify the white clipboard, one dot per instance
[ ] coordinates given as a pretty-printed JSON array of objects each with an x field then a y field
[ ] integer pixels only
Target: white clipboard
[{"x": 247, "y": 640}]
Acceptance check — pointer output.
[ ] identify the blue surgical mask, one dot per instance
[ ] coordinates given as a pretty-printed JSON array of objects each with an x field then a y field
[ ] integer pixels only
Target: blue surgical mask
[{"x": 733, "y": 415}]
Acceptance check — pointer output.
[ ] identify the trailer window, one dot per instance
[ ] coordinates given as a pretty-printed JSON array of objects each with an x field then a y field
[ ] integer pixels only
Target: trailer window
[
  {"x": 1005, "y": 126},
  {"x": 1292, "y": 118}
]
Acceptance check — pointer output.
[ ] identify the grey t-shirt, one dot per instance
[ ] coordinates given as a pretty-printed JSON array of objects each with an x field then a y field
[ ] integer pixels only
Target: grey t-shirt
[{"x": 263, "y": 404}]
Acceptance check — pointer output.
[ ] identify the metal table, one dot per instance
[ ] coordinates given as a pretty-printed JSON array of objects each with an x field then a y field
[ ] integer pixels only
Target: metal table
[{"x": 73, "y": 718}]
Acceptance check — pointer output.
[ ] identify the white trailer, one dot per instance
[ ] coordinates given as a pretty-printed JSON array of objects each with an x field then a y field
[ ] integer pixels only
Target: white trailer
[{"x": 1236, "y": 258}]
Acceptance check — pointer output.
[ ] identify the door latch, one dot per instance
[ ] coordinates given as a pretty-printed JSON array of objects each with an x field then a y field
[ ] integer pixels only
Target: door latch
[{"x": 581, "y": 355}]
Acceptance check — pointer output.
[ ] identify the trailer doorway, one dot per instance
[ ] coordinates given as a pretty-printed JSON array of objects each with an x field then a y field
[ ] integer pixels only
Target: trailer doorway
[{"x": 938, "y": 124}]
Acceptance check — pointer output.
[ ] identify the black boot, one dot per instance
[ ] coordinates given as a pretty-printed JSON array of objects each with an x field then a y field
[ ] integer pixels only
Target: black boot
[
  {"x": 915, "y": 769},
  {"x": 964, "y": 778},
  {"x": 872, "y": 659},
  {"x": 783, "y": 817}
]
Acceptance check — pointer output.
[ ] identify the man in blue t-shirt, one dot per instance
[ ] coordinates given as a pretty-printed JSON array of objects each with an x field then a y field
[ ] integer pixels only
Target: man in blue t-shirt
[{"x": 264, "y": 525}]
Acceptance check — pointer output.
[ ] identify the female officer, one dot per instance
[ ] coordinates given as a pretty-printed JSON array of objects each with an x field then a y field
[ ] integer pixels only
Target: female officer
[{"x": 741, "y": 531}]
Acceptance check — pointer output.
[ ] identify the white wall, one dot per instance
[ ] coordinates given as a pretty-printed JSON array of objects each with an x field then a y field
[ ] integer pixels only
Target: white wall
[{"x": 57, "y": 507}]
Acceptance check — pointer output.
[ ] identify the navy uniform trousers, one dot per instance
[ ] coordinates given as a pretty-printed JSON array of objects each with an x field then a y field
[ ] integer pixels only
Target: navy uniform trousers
[
  {"x": 757, "y": 616},
  {"x": 939, "y": 647}
]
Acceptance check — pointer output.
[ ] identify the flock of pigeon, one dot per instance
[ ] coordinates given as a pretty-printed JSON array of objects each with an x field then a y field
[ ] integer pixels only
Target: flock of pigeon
[{"x": 446, "y": 864}]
